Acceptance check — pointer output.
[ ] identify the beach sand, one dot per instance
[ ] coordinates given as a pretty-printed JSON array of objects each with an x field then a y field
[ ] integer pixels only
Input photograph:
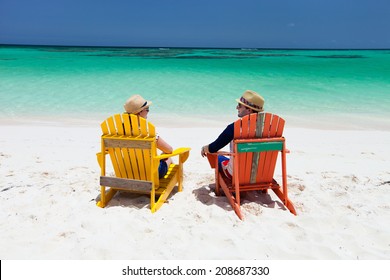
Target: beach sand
[{"x": 338, "y": 180}]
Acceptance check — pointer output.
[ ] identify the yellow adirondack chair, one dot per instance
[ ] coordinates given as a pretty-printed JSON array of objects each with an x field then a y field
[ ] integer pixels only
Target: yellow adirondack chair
[
  {"x": 130, "y": 142},
  {"x": 257, "y": 141}
]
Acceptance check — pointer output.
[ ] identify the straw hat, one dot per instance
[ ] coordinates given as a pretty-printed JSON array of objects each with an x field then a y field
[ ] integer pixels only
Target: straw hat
[
  {"x": 136, "y": 104},
  {"x": 252, "y": 100}
]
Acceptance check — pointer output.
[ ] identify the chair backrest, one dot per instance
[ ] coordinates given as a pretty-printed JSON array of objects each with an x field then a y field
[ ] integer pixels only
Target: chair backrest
[
  {"x": 131, "y": 143},
  {"x": 257, "y": 141}
]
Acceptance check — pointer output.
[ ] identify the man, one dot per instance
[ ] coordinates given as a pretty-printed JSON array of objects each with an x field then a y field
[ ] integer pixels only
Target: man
[{"x": 250, "y": 102}]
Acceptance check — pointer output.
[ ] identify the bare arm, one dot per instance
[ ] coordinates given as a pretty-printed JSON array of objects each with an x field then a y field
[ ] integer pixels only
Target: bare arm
[{"x": 164, "y": 146}]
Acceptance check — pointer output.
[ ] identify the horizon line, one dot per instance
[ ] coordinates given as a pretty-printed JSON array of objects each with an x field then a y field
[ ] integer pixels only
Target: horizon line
[{"x": 168, "y": 47}]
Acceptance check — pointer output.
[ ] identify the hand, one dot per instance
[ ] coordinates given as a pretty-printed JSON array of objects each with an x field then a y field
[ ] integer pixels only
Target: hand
[{"x": 204, "y": 151}]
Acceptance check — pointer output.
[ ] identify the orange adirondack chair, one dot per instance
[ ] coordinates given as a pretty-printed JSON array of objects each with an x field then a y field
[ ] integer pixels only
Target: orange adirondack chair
[{"x": 257, "y": 141}]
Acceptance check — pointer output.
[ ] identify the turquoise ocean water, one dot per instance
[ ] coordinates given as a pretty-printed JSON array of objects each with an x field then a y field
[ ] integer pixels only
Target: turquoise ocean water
[{"x": 326, "y": 88}]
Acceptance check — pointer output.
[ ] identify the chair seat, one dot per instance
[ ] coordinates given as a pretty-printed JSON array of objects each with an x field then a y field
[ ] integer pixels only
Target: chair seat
[{"x": 249, "y": 187}]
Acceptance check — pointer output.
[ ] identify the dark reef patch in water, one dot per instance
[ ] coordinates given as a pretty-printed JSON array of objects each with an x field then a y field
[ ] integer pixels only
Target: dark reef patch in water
[{"x": 337, "y": 56}]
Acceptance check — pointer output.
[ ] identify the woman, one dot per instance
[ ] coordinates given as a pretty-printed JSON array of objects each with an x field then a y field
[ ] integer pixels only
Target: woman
[{"x": 137, "y": 105}]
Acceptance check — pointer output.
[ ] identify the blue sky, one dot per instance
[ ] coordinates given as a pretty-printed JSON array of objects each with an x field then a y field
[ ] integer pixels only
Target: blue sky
[{"x": 197, "y": 23}]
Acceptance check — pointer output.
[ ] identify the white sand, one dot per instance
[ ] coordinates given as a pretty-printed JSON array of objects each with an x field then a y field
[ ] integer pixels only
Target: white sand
[{"x": 339, "y": 182}]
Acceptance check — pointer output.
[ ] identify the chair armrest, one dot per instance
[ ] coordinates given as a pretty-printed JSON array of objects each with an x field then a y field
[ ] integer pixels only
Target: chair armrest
[
  {"x": 224, "y": 153},
  {"x": 213, "y": 157},
  {"x": 99, "y": 154},
  {"x": 99, "y": 157},
  {"x": 183, "y": 152}
]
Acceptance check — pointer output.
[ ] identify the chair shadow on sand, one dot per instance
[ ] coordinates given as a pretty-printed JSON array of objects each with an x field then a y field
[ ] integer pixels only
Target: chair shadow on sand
[
  {"x": 131, "y": 200},
  {"x": 206, "y": 195}
]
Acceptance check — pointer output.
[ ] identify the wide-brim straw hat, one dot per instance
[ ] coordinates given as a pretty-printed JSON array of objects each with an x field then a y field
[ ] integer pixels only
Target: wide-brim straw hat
[
  {"x": 136, "y": 104},
  {"x": 252, "y": 100}
]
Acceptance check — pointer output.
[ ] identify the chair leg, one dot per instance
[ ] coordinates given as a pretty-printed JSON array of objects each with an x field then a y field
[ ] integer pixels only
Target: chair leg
[
  {"x": 102, "y": 202},
  {"x": 237, "y": 210},
  {"x": 286, "y": 201},
  {"x": 105, "y": 197},
  {"x": 217, "y": 190},
  {"x": 180, "y": 177},
  {"x": 232, "y": 200},
  {"x": 162, "y": 198},
  {"x": 283, "y": 194}
]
